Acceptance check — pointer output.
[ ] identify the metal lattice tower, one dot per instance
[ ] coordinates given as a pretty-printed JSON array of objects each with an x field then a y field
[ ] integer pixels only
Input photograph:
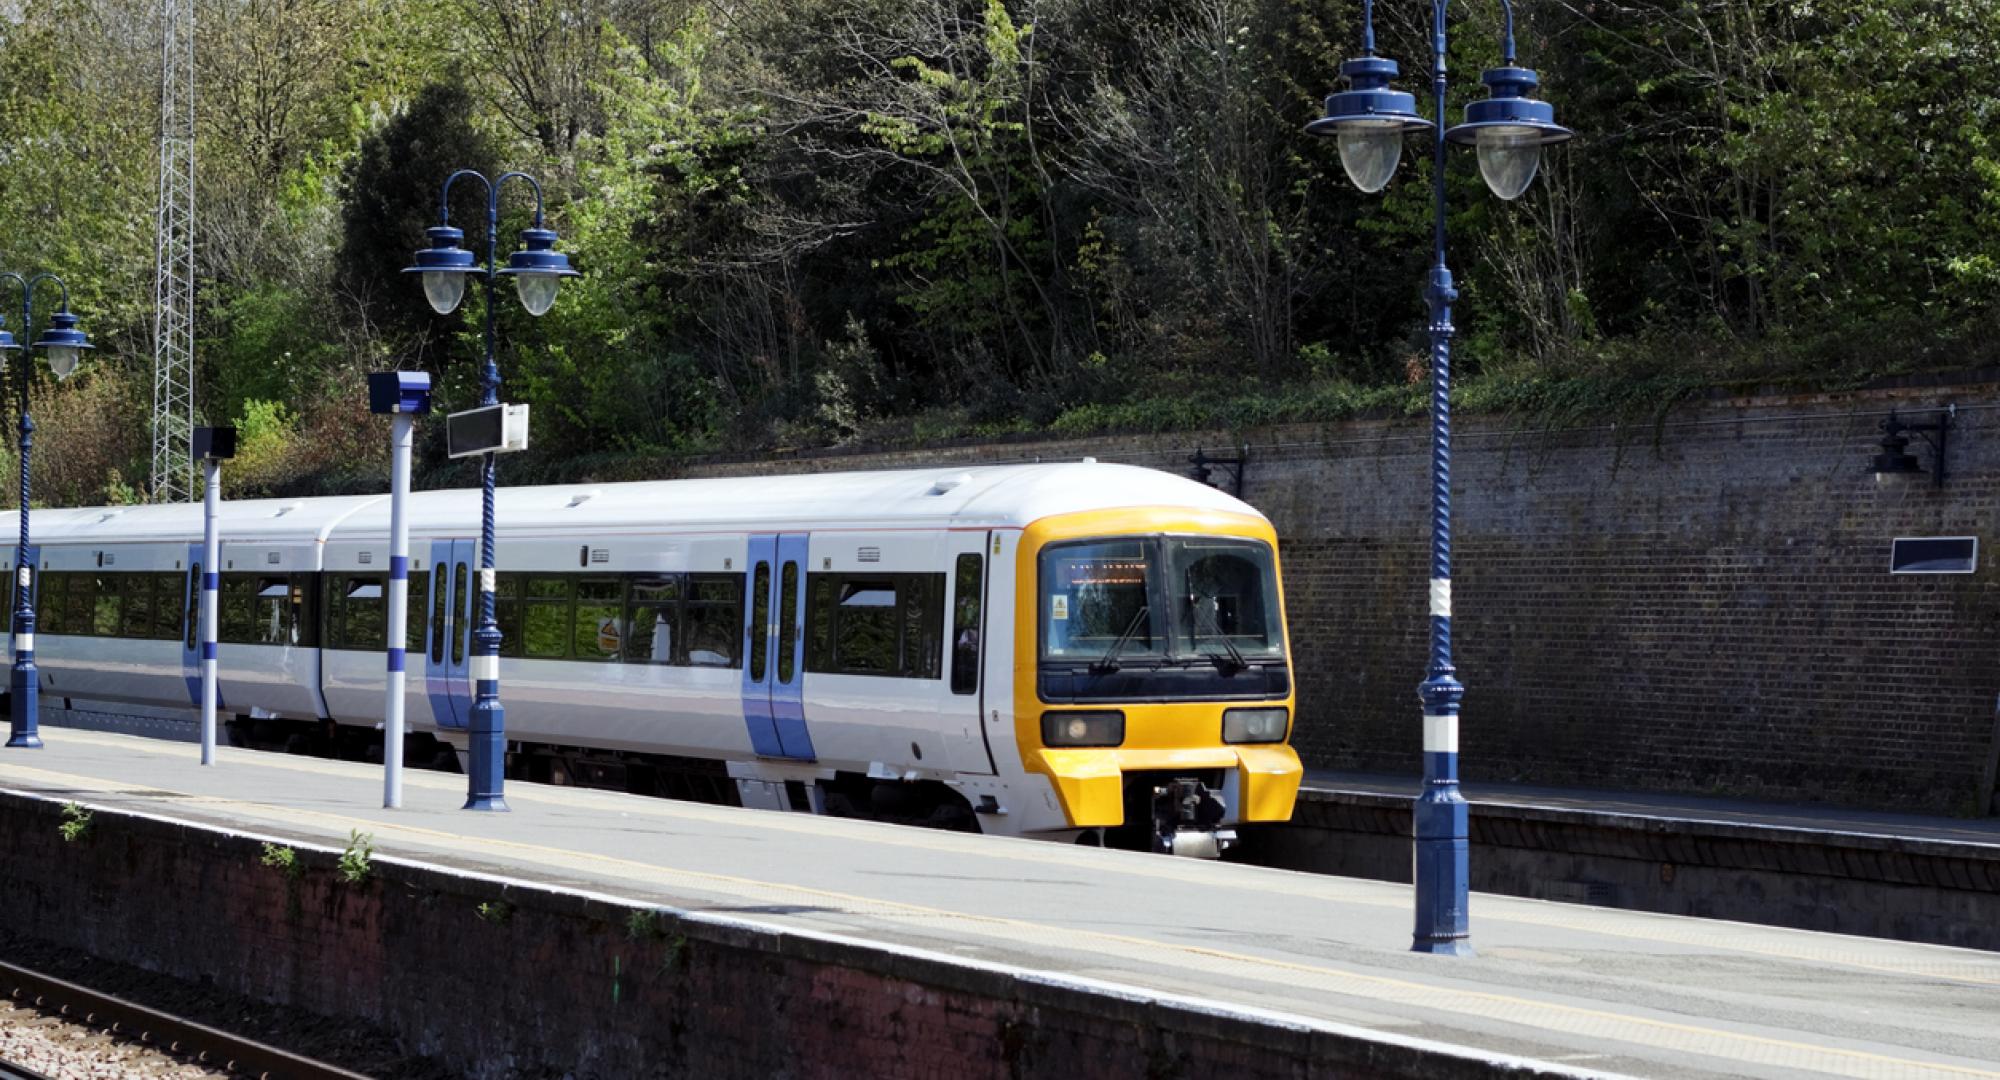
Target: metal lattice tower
[{"x": 173, "y": 251}]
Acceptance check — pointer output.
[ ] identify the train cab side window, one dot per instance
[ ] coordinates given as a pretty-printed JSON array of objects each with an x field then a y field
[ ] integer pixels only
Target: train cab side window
[
  {"x": 967, "y": 583},
  {"x": 712, "y": 616},
  {"x": 437, "y": 613}
]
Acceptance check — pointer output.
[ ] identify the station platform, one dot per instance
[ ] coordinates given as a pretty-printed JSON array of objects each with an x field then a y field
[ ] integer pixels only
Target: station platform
[{"x": 1555, "y": 989}]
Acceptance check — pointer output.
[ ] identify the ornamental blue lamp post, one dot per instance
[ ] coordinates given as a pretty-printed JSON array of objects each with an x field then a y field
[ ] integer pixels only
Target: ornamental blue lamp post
[
  {"x": 64, "y": 346},
  {"x": 1509, "y": 130},
  {"x": 537, "y": 270}
]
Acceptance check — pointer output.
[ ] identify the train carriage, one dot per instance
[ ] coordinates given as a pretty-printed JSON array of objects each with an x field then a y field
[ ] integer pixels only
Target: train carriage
[{"x": 1061, "y": 650}]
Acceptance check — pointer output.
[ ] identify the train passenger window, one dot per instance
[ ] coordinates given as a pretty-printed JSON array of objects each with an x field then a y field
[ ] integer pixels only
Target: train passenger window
[
  {"x": 239, "y": 609},
  {"x": 167, "y": 589},
  {"x": 364, "y": 613},
  {"x": 49, "y": 603},
  {"x": 136, "y": 617},
  {"x": 414, "y": 605},
  {"x": 875, "y": 624},
  {"x": 715, "y": 619},
  {"x": 273, "y": 613},
  {"x": 545, "y": 617},
  {"x": 110, "y": 604},
  {"x": 653, "y": 615},
  {"x": 864, "y": 628},
  {"x": 464, "y": 627},
  {"x": 81, "y": 606},
  {"x": 437, "y": 613},
  {"x": 507, "y": 612},
  {"x": 788, "y": 622},
  {"x": 967, "y": 583},
  {"x": 598, "y": 632},
  {"x": 333, "y": 608}
]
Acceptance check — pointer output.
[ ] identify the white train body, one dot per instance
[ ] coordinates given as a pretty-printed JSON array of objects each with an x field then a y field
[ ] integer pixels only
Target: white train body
[{"x": 742, "y": 621}]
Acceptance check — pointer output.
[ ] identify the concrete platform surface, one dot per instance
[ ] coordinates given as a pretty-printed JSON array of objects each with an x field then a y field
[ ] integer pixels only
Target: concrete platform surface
[{"x": 1588, "y": 989}]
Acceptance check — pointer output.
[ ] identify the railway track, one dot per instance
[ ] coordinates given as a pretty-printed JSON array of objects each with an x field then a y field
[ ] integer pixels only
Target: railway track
[{"x": 208, "y": 1047}]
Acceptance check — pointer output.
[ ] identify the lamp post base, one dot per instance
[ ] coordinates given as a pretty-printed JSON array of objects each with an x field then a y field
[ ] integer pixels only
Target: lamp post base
[
  {"x": 486, "y": 753},
  {"x": 26, "y": 707}
]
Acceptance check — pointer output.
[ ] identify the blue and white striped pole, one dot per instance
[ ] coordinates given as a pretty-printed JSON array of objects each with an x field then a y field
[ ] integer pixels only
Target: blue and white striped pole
[
  {"x": 211, "y": 588},
  {"x": 1439, "y": 822},
  {"x": 400, "y": 430}
]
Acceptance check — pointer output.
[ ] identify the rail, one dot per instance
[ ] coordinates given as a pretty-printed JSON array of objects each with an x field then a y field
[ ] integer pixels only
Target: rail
[{"x": 208, "y": 1046}]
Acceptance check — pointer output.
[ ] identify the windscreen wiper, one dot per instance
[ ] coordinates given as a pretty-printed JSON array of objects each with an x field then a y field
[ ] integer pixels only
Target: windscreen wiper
[
  {"x": 1234, "y": 662},
  {"x": 1109, "y": 662}
]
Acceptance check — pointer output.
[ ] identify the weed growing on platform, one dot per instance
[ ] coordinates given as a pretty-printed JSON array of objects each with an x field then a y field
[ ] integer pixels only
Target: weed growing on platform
[
  {"x": 76, "y": 822},
  {"x": 280, "y": 857},
  {"x": 646, "y": 926},
  {"x": 355, "y": 864},
  {"x": 497, "y": 912}
]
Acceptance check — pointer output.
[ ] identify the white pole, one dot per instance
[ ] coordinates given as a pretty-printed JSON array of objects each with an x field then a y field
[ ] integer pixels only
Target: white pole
[
  {"x": 399, "y": 592},
  {"x": 210, "y": 585}
]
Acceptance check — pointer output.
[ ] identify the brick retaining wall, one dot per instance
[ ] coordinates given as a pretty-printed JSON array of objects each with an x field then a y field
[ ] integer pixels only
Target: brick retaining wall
[{"x": 1701, "y": 606}]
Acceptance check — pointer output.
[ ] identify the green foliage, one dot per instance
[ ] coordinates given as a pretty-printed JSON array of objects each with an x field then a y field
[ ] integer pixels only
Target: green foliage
[
  {"x": 75, "y": 824},
  {"x": 829, "y": 221},
  {"x": 356, "y": 865},
  {"x": 497, "y": 912},
  {"x": 283, "y": 859}
]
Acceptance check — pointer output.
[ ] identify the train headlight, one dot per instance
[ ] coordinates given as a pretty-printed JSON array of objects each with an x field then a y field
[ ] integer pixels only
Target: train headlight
[
  {"x": 1103, "y": 728},
  {"x": 1253, "y": 725}
]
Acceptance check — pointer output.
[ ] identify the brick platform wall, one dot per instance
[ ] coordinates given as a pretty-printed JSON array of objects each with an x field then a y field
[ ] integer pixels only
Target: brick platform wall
[
  {"x": 1699, "y": 606},
  {"x": 547, "y": 983}
]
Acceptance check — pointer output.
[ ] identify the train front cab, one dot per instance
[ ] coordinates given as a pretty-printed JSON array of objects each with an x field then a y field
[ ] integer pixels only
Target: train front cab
[{"x": 1153, "y": 675}]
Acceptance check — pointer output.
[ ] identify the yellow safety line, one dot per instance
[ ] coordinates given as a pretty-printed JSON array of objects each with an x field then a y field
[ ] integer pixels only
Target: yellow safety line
[
  {"x": 1023, "y": 929},
  {"x": 1720, "y": 935}
]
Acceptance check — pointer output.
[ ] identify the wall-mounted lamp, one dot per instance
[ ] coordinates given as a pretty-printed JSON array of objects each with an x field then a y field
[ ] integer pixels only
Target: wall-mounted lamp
[
  {"x": 1204, "y": 468},
  {"x": 1896, "y": 461}
]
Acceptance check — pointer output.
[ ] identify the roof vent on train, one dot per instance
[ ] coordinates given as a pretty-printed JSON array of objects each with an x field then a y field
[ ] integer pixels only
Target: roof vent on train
[
  {"x": 107, "y": 516},
  {"x": 580, "y": 498},
  {"x": 288, "y": 508},
  {"x": 949, "y": 482}
]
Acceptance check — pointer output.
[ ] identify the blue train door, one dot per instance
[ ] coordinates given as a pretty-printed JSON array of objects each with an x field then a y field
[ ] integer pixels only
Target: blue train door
[
  {"x": 788, "y": 713},
  {"x": 448, "y": 634},
  {"x": 773, "y": 639}
]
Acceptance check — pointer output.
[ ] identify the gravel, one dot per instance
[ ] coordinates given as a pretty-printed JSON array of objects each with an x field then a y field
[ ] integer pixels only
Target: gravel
[
  {"x": 62, "y": 1050},
  {"x": 359, "y": 1048}
]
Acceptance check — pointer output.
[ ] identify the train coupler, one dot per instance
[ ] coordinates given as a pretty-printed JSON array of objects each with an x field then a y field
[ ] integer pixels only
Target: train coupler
[{"x": 1186, "y": 816}]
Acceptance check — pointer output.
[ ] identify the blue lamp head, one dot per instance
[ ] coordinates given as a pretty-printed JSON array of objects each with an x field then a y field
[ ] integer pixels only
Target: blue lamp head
[
  {"x": 537, "y": 269},
  {"x": 1369, "y": 120},
  {"x": 1509, "y": 128},
  {"x": 7, "y": 343},
  {"x": 63, "y": 344},
  {"x": 444, "y": 266}
]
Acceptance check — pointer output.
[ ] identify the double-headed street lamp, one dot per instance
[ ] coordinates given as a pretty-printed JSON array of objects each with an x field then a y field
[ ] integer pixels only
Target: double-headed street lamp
[
  {"x": 64, "y": 346},
  {"x": 1509, "y": 129},
  {"x": 537, "y": 271}
]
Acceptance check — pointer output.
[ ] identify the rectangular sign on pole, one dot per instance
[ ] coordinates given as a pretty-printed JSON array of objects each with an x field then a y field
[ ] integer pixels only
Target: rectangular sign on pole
[{"x": 497, "y": 429}]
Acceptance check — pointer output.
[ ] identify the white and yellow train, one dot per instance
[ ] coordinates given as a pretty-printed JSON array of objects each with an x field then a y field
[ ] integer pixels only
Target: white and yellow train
[{"x": 1073, "y": 651}]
